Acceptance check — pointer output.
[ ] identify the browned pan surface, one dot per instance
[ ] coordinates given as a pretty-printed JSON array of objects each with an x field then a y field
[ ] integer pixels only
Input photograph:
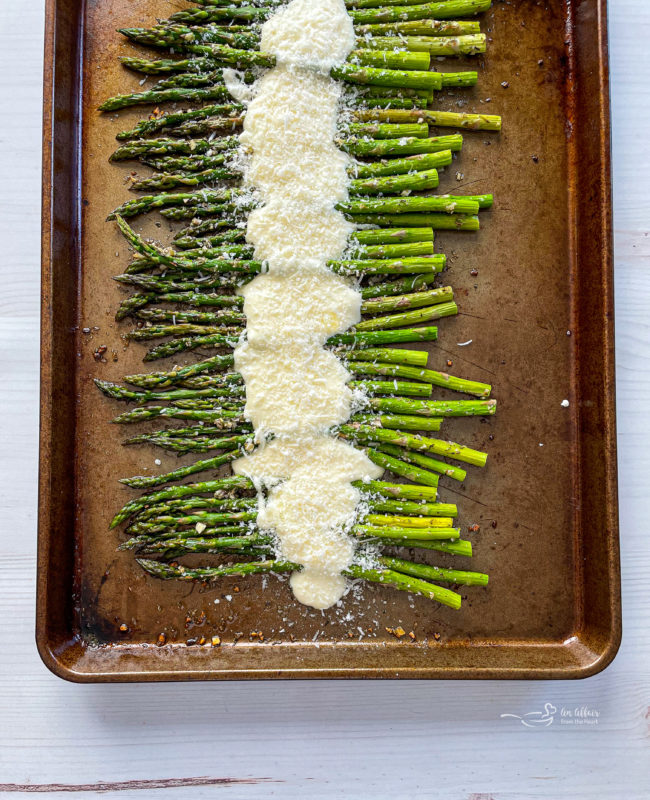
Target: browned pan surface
[{"x": 539, "y": 314}]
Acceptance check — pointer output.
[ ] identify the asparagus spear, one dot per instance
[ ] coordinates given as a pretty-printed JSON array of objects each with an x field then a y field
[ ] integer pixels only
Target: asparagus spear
[
  {"x": 199, "y": 299},
  {"x": 395, "y": 184},
  {"x": 168, "y": 180},
  {"x": 118, "y": 392},
  {"x": 415, "y": 317},
  {"x": 434, "y": 408},
  {"x": 401, "y": 166},
  {"x": 191, "y": 80},
  {"x": 159, "y": 331},
  {"x": 448, "y": 204},
  {"x": 350, "y": 4},
  {"x": 223, "y": 317},
  {"x": 392, "y": 388},
  {"x": 477, "y": 122},
  {"x": 155, "y": 124},
  {"x": 448, "y": 9},
  {"x": 406, "y": 79},
  {"x": 403, "y": 469},
  {"x": 167, "y": 65},
  {"x": 460, "y": 577},
  {"x": 434, "y": 45},
  {"x": 374, "y": 338},
  {"x": 423, "y": 27},
  {"x": 416, "y": 358},
  {"x": 196, "y": 163},
  {"x": 409, "y": 283},
  {"x": 146, "y": 482},
  {"x": 389, "y": 58},
  {"x": 190, "y": 343},
  {"x": 143, "y": 204},
  {"x": 379, "y": 305},
  {"x": 174, "y": 95},
  {"x": 149, "y": 147},
  {"x": 179, "y": 36},
  {"x": 231, "y": 420},
  {"x": 378, "y": 130},
  {"x": 427, "y": 375},
  {"x": 207, "y": 127},
  {"x": 188, "y": 242},
  {"x": 400, "y": 422},
  {"x": 392, "y": 235},
  {"x": 404, "y": 535},
  {"x": 418, "y": 509},
  {"x": 401, "y": 491},
  {"x": 437, "y": 221},
  {"x": 229, "y": 13},
  {"x": 403, "y": 146}
]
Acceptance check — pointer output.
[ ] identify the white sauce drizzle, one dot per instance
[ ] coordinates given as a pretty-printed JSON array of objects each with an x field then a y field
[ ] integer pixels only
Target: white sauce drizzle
[{"x": 295, "y": 389}]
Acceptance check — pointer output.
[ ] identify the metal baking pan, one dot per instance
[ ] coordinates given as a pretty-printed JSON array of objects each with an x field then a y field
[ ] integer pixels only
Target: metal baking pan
[{"x": 539, "y": 314}]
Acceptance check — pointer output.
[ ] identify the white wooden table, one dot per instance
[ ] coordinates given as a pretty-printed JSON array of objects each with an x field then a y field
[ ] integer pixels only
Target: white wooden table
[{"x": 317, "y": 740}]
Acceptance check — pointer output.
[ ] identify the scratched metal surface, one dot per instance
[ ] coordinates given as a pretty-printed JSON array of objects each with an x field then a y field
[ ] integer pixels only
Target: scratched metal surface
[
  {"x": 517, "y": 313},
  {"x": 299, "y": 739}
]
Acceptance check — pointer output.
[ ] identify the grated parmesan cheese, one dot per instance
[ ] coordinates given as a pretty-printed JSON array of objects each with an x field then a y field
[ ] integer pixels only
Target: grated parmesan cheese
[{"x": 295, "y": 389}]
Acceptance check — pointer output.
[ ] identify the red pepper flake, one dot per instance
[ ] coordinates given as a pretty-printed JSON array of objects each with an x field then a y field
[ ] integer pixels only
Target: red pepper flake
[
  {"x": 215, "y": 641},
  {"x": 162, "y": 639},
  {"x": 436, "y": 636},
  {"x": 124, "y": 627},
  {"x": 474, "y": 528},
  {"x": 450, "y": 363},
  {"x": 412, "y": 635}
]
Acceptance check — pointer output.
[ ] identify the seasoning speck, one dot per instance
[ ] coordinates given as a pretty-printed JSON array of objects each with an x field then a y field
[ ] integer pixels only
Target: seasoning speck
[{"x": 565, "y": 404}]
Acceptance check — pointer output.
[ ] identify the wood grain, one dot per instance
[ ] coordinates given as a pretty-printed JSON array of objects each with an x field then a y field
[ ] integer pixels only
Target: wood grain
[{"x": 379, "y": 740}]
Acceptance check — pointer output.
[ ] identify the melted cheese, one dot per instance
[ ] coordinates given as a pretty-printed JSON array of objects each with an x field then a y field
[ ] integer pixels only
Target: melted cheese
[{"x": 295, "y": 389}]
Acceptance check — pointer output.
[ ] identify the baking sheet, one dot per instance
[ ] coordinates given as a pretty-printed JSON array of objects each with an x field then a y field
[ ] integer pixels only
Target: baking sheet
[{"x": 539, "y": 317}]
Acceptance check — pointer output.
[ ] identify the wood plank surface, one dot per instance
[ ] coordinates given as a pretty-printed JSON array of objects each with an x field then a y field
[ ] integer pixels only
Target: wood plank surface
[{"x": 317, "y": 740}]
